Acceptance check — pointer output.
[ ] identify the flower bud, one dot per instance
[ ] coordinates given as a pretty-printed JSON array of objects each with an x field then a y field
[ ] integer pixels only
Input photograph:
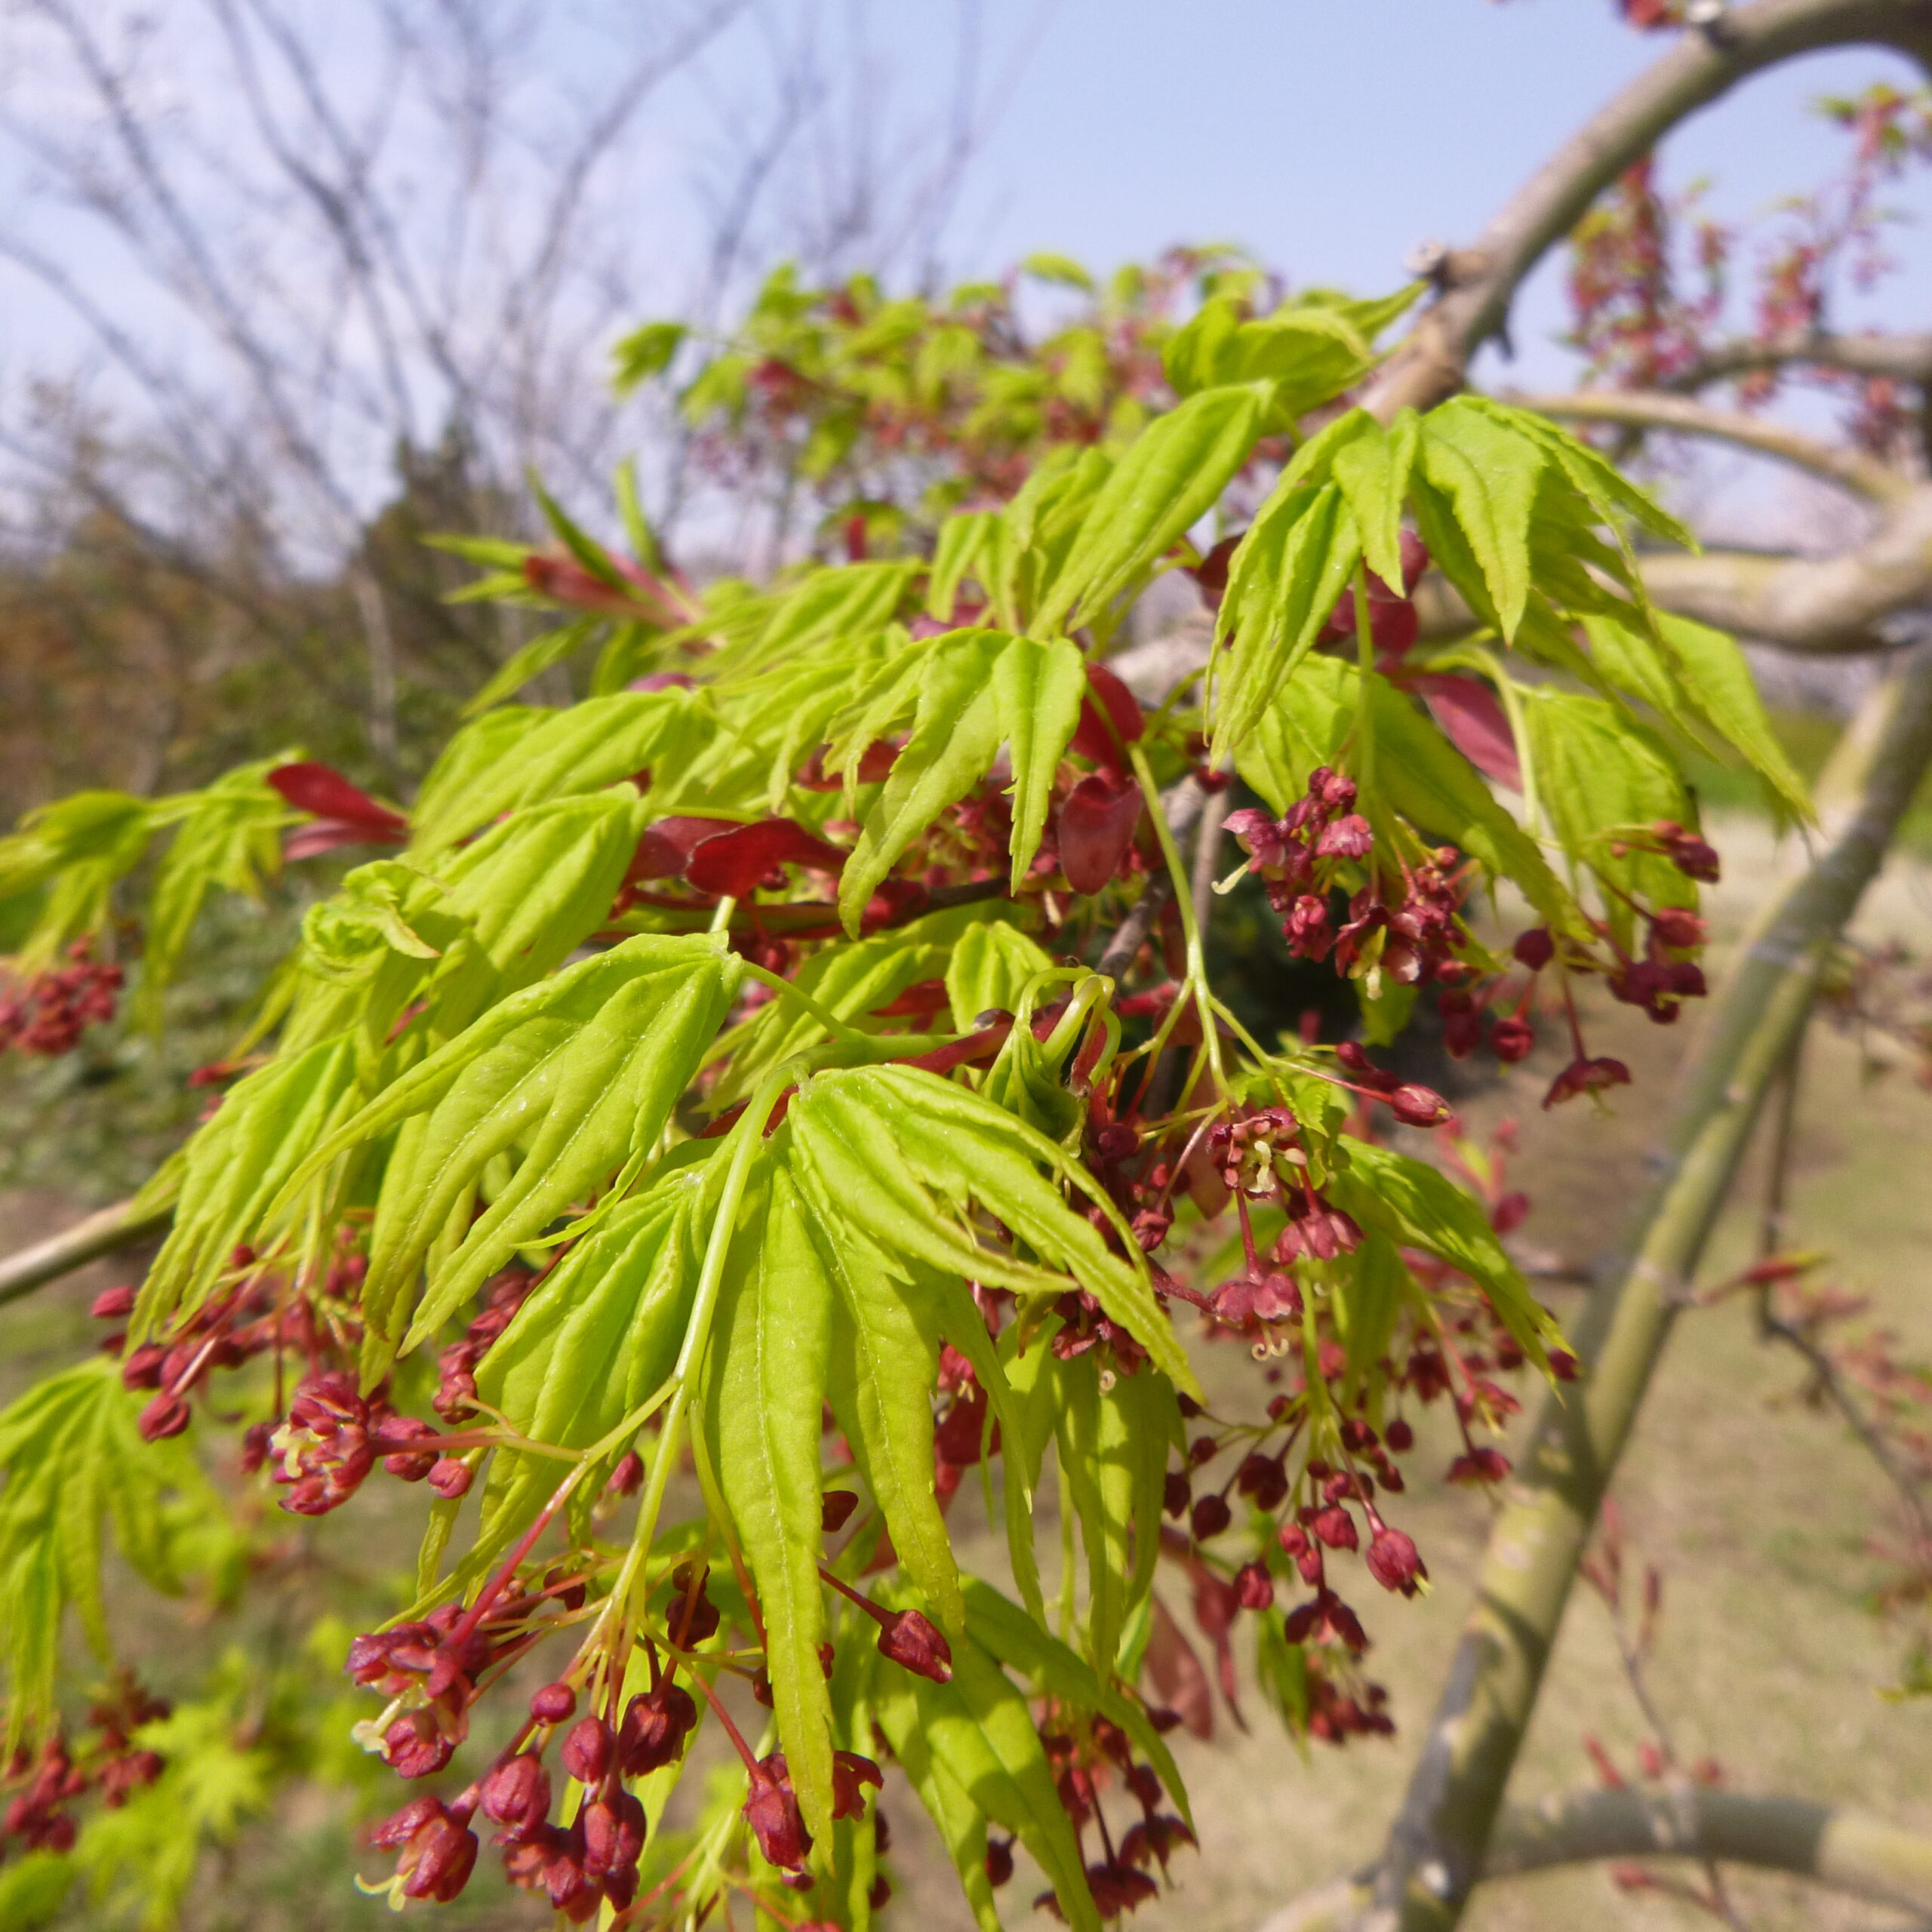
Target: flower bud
[
  {"x": 1512, "y": 1040},
  {"x": 1399, "y": 1436},
  {"x": 1254, "y": 1587},
  {"x": 1211, "y": 1516},
  {"x": 1535, "y": 949},
  {"x": 911, "y": 1640},
  {"x": 1348, "y": 837},
  {"x": 587, "y": 1750},
  {"x": 517, "y": 1793},
  {"x": 112, "y": 1304},
  {"x": 1176, "y": 1493},
  {"x": 553, "y": 1704},
  {"x": 1678, "y": 927},
  {"x": 835, "y": 1510},
  {"x": 399, "y": 1827},
  {"x": 142, "y": 1370},
  {"x": 1416, "y": 1105},
  {"x": 999, "y": 1861},
  {"x": 627, "y": 1478},
  {"x": 654, "y": 1729},
  {"x": 1335, "y": 1527},
  {"x": 411, "y": 1465},
  {"x": 1392, "y": 1560},
  {"x": 415, "y": 1746},
  {"x": 164, "y": 1417},
  {"x": 437, "y": 1862},
  {"x": 451, "y": 1477},
  {"x": 771, "y": 1810},
  {"x": 613, "y": 1835}
]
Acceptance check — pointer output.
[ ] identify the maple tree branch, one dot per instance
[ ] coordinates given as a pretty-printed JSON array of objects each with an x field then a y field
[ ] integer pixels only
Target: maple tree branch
[
  {"x": 100, "y": 1233},
  {"x": 1846, "y": 1850},
  {"x": 1479, "y": 284},
  {"x": 1438, "y": 1843},
  {"x": 1906, "y": 358},
  {"x": 1864, "y": 475}
]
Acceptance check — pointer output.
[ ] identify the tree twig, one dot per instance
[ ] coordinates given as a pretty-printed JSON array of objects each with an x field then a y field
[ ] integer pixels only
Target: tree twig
[
  {"x": 73, "y": 1248},
  {"x": 1479, "y": 284},
  {"x": 1846, "y": 1850},
  {"x": 1864, "y": 475}
]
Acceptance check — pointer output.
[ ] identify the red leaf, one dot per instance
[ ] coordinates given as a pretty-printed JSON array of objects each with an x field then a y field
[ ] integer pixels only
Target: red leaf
[
  {"x": 327, "y": 834},
  {"x": 322, "y": 790},
  {"x": 667, "y": 848},
  {"x": 928, "y": 996},
  {"x": 1109, "y": 703},
  {"x": 1472, "y": 717},
  {"x": 875, "y": 763},
  {"x": 734, "y": 863},
  {"x": 1176, "y": 1675},
  {"x": 569, "y": 582},
  {"x": 1096, "y": 830}
]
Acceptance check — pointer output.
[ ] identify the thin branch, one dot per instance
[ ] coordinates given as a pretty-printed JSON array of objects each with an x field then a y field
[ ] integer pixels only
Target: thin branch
[
  {"x": 100, "y": 1234},
  {"x": 1864, "y": 475},
  {"x": 1845, "y": 1850},
  {"x": 1905, "y": 359},
  {"x": 1479, "y": 284}
]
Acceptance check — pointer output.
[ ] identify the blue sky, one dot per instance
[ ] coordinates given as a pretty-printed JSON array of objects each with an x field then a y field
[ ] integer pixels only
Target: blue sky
[{"x": 1329, "y": 136}]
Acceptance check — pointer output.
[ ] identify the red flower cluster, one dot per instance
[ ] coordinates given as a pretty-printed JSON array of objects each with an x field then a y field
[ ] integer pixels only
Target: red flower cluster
[
  {"x": 224, "y": 1333},
  {"x": 1085, "y": 1761},
  {"x": 106, "y": 1762},
  {"x": 1411, "y": 938},
  {"x": 48, "y": 1013},
  {"x": 456, "y": 1366},
  {"x": 332, "y": 1438}
]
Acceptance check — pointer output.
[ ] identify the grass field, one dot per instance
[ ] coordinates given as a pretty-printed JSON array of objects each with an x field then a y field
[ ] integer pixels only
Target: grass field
[{"x": 1756, "y": 1512}]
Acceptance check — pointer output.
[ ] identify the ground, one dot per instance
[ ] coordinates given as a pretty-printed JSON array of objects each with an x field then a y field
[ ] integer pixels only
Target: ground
[{"x": 1758, "y": 1513}]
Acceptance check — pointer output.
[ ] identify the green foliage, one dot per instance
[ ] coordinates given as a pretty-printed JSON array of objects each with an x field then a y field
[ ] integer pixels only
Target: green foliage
[
  {"x": 75, "y": 1466},
  {"x": 726, "y": 1068}
]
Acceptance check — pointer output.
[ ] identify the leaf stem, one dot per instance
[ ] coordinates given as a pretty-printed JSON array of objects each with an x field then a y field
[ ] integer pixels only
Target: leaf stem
[
  {"x": 1197, "y": 962},
  {"x": 747, "y": 1135},
  {"x": 1364, "y": 727},
  {"x": 825, "y": 1017}
]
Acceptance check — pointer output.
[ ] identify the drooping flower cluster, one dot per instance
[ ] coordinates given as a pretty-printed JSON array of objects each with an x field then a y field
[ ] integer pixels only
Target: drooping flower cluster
[
  {"x": 1087, "y": 1756},
  {"x": 105, "y": 1760},
  {"x": 47, "y": 1013}
]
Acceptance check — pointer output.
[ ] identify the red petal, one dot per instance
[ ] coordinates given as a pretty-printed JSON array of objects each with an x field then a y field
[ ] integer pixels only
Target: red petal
[
  {"x": 734, "y": 863},
  {"x": 322, "y": 790},
  {"x": 1472, "y": 717},
  {"x": 1096, "y": 830}
]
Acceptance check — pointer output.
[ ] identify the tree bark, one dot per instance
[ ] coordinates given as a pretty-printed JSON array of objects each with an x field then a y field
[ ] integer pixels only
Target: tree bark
[
  {"x": 86, "y": 1240},
  {"x": 1863, "y": 475},
  {"x": 1438, "y": 1843},
  {"x": 1862, "y": 1857}
]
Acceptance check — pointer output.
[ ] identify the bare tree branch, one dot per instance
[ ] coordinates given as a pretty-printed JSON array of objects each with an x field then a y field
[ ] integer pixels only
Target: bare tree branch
[
  {"x": 1905, "y": 359},
  {"x": 1864, "y": 475},
  {"x": 1479, "y": 284},
  {"x": 1844, "y": 1849}
]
